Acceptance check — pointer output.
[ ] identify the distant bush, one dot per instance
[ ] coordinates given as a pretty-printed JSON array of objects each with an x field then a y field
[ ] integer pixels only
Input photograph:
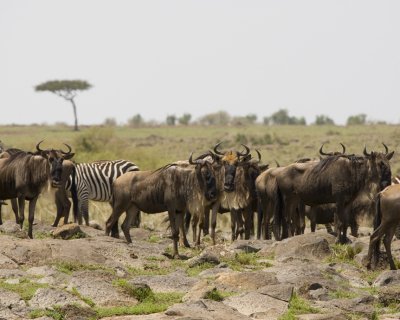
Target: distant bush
[
  {"x": 323, "y": 120},
  {"x": 359, "y": 119},
  {"x": 281, "y": 117},
  {"x": 171, "y": 119},
  {"x": 136, "y": 121},
  {"x": 94, "y": 140},
  {"x": 110, "y": 122},
  {"x": 185, "y": 119},
  {"x": 217, "y": 118}
]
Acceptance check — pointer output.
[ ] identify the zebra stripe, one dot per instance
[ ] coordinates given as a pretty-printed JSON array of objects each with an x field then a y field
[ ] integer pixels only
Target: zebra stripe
[{"x": 94, "y": 181}]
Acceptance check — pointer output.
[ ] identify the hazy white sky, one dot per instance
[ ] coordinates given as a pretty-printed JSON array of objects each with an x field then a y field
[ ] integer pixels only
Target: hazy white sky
[{"x": 170, "y": 57}]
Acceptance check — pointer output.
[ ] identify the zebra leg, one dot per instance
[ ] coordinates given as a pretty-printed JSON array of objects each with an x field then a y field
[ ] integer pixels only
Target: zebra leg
[{"x": 84, "y": 210}]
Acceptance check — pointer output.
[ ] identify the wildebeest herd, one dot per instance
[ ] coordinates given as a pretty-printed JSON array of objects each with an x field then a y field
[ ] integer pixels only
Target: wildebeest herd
[{"x": 336, "y": 188}]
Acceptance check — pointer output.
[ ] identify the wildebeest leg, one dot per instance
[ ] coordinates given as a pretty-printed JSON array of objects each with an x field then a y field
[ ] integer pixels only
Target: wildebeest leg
[
  {"x": 31, "y": 217},
  {"x": 206, "y": 223},
  {"x": 195, "y": 223},
  {"x": 181, "y": 226},
  {"x": 201, "y": 226},
  {"x": 373, "y": 252},
  {"x": 341, "y": 223},
  {"x": 117, "y": 210},
  {"x": 248, "y": 222},
  {"x": 1, "y": 219},
  {"x": 14, "y": 205},
  {"x": 21, "y": 210},
  {"x": 214, "y": 222},
  {"x": 188, "y": 217},
  {"x": 301, "y": 216},
  {"x": 387, "y": 241},
  {"x": 131, "y": 214},
  {"x": 174, "y": 231},
  {"x": 259, "y": 219},
  {"x": 234, "y": 218}
]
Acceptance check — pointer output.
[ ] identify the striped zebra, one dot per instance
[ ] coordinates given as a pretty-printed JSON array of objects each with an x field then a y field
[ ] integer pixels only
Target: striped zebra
[{"x": 89, "y": 181}]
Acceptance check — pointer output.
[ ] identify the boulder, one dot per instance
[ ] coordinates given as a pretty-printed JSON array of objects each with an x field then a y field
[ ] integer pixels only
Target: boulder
[
  {"x": 199, "y": 291},
  {"x": 388, "y": 278},
  {"x": 47, "y": 298},
  {"x": 244, "y": 281},
  {"x": 68, "y": 231}
]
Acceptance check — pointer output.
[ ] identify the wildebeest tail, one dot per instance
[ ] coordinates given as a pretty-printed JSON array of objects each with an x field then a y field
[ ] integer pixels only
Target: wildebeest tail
[
  {"x": 74, "y": 194},
  {"x": 377, "y": 222}
]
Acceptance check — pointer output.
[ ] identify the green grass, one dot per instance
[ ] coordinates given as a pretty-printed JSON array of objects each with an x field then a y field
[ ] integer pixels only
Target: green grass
[
  {"x": 243, "y": 259},
  {"x": 158, "y": 303},
  {"x": 69, "y": 267},
  {"x": 196, "y": 270},
  {"x": 343, "y": 253},
  {"x": 87, "y": 300},
  {"x": 56, "y": 313},
  {"x": 342, "y": 294},
  {"x": 139, "y": 293},
  {"x": 217, "y": 295},
  {"x": 154, "y": 238},
  {"x": 297, "y": 306},
  {"x": 25, "y": 288}
]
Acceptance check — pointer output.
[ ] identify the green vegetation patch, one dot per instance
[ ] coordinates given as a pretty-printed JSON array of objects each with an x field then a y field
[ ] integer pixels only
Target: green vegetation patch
[
  {"x": 196, "y": 270},
  {"x": 243, "y": 259},
  {"x": 342, "y": 294},
  {"x": 87, "y": 300},
  {"x": 25, "y": 288},
  {"x": 69, "y": 267},
  {"x": 141, "y": 292},
  {"x": 159, "y": 302},
  {"x": 343, "y": 253},
  {"x": 297, "y": 306}
]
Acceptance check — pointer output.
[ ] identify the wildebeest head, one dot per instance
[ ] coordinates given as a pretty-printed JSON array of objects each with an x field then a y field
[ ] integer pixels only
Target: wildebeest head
[
  {"x": 379, "y": 166},
  {"x": 230, "y": 161},
  {"x": 205, "y": 175},
  {"x": 55, "y": 158}
]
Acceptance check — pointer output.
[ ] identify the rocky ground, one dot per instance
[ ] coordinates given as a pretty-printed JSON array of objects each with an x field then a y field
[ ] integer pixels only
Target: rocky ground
[{"x": 92, "y": 276}]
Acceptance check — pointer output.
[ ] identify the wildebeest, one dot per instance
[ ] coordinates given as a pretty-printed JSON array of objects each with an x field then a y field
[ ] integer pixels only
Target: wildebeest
[
  {"x": 23, "y": 175},
  {"x": 386, "y": 221},
  {"x": 232, "y": 195},
  {"x": 335, "y": 179},
  {"x": 86, "y": 181},
  {"x": 170, "y": 188}
]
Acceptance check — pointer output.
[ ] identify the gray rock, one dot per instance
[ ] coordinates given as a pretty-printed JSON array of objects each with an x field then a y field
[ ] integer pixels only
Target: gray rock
[
  {"x": 244, "y": 281},
  {"x": 41, "y": 271},
  {"x": 388, "y": 278},
  {"x": 7, "y": 263},
  {"x": 253, "y": 303},
  {"x": 68, "y": 231},
  {"x": 10, "y": 300},
  {"x": 281, "y": 292},
  {"x": 10, "y": 227},
  {"x": 11, "y": 273},
  {"x": 98, "y": 287},
  {"x": 249, "y": 246},
  {"x": 177, "y": 281},
  {"x": 204, "y": 310},
  {"x": 204, "y": 257},
  {"x": 47, "y": 298},
  {"x": 389, "y": 295},
  {"x": 329, "y": 316},
  {"x": 198, "y": 291}
]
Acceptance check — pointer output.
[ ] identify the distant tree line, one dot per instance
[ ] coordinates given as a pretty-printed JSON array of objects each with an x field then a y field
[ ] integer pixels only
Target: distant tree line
[{"x": 223, "y": 118}]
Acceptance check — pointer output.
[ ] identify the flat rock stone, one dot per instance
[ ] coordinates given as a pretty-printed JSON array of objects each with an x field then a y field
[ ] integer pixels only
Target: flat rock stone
[
  {"x": 47, "y": 298},
  {"x": 10, "y": 300},
  {"x": 253, "y": 303},
  {"x": 7, "y": 263},
  {"x": 281, "y": 292},
  {"x": 198, "y": 291},
  {"x": 99, "y": 288},
  {"x": 249, "y": 246},
  {"x": 177, "y": 281},
  {"x": 244, "y": 281},
  {"x": 68, "y": 231},
  {"x": 388, "y": 278}
]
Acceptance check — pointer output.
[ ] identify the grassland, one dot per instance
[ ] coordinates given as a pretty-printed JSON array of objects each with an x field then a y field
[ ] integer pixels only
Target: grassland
[{"x": 153, "y": 147}]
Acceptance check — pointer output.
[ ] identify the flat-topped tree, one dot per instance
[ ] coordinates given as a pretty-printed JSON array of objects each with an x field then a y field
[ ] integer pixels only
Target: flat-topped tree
[{"x": 66, "y": 89}]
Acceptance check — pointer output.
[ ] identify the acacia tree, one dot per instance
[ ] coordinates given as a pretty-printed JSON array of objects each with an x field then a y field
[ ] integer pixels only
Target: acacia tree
[{"x": 66, "y": 89}]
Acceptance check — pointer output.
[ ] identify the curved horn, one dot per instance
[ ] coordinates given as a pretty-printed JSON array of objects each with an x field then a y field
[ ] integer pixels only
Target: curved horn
[
  {"x": 277, "y": 163},
  {"x": 386, "y": 148},
  {"x": 191, "y": 159},
  {"x": 259, "y": 156},
  {"x": 216, "y": 149},
  {"x": 365, "y": 151},
  {"x": 343, "y": 147},
  {"x": 322, "y": 153},
  {"x": 69, "y": 151},
  {"x": 247, "y": 151},
  {"x": 38, "y": 148}
]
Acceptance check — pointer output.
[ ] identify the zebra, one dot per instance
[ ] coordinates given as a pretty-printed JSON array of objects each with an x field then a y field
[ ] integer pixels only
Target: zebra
[{"x": 88, "y": 181}]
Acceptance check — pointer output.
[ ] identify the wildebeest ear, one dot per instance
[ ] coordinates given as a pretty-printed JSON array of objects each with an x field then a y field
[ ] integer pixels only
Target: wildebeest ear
[
  {"x": 390, "y": 155},
  {"x": 263, "y": 167},
  {"x": 69, "y": 156}
]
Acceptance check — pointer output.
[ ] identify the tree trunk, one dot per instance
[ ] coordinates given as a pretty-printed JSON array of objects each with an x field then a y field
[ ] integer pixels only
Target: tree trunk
[{"x": 75, "y": 115}]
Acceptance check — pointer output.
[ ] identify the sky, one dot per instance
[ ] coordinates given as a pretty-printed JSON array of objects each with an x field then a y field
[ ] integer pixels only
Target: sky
[{"x": 159, "y": 58}]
